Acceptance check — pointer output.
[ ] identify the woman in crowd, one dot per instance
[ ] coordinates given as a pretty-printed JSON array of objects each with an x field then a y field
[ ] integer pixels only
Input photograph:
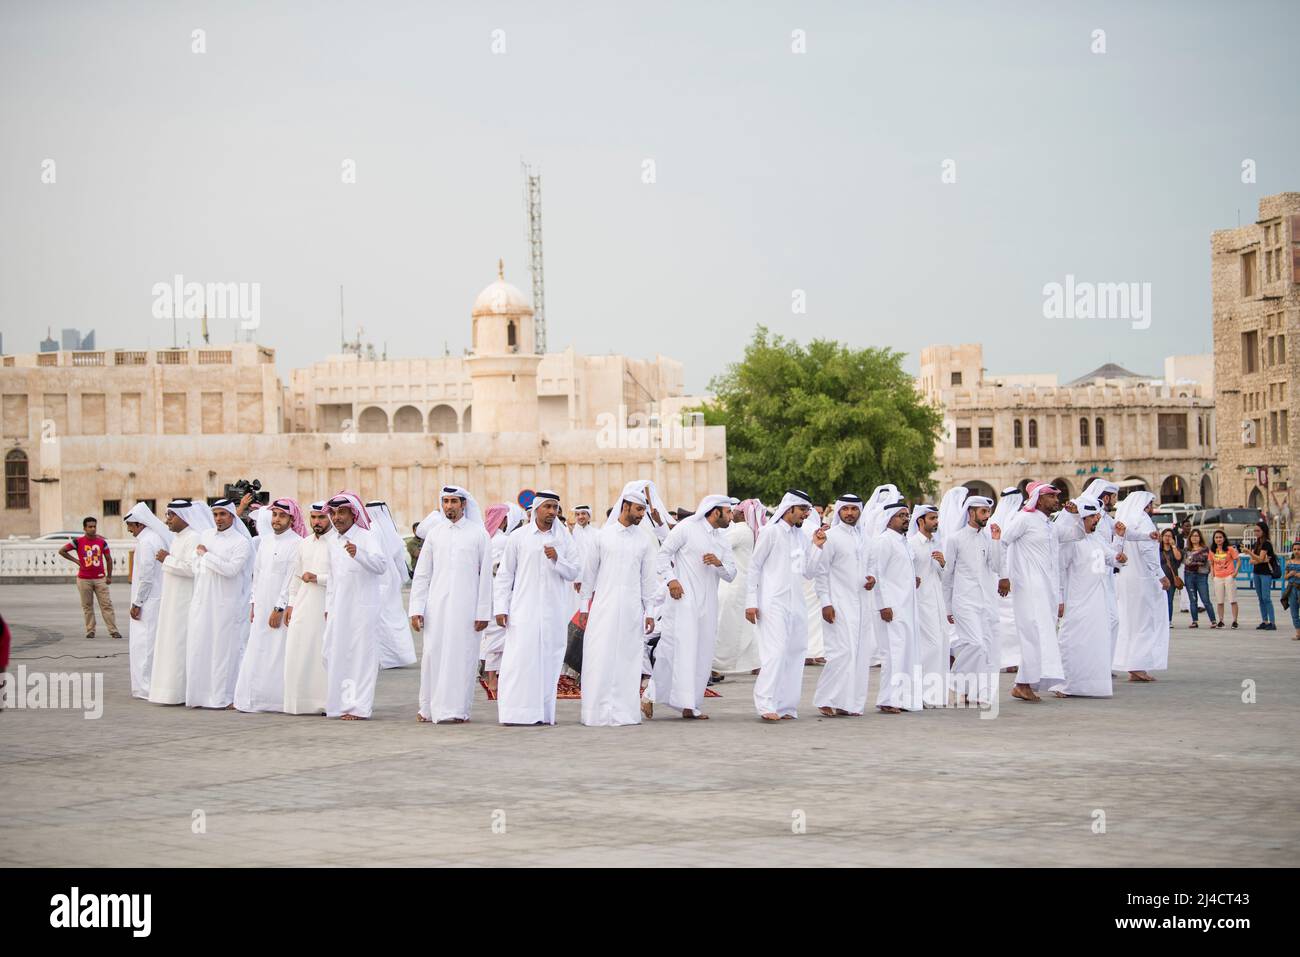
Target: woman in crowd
[
  {"x": 1291, "y": 588},
  {"x": 1262, "y": 562},
  {"x": 1171, "y": 560},
  {"x": 1196, "y": 574},
  {"x": 1223, "y": 570}
]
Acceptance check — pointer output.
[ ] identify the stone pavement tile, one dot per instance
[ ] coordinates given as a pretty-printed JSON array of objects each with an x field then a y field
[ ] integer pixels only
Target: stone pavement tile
[{"x": 1184, "y": 765}]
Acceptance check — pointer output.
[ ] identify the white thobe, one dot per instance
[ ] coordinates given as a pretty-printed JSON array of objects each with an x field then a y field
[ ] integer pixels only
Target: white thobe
[
  {"x": 973, "y": 566},
  {"x": 146, "y": 591},
  {"x": 900, "y": 667},
  {"x": 218, "y": 612},
  {"x": 619, "y": 576},
  {"x": 850, "y": 640},
  {"x": 533, "y": 592},
  {"x": 167, "y": 683},
  {"x": 396, "y": 645},
  {"x": 353, "y": 596},
  {"x": 1032, "y": 559},
  {"x": 736, "y": 649},
  {"x": 452, "y": 589},
  {"x": 494, "y": 636},
  {"x": 1143, "y": 643},
  {"x": 1085, "y": 628},
  {"x": 260, "y": 686},
  {"x": 783, "y": 558},
  {"x": 304, "y": 639},
  {"x": 684, "y": 655},
  {"x": 931, "y": 621},
  {"x": 1104, "y": 533}
]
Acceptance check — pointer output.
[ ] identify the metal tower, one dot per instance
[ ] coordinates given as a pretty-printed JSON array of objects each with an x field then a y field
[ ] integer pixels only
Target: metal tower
[{"x": 533, "y": 200}]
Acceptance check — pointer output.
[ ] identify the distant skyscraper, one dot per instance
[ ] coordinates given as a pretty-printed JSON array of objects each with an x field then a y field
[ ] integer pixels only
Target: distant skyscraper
[
  {"x": 49, "y": 344},
  {"x": 71, "y": 339}
]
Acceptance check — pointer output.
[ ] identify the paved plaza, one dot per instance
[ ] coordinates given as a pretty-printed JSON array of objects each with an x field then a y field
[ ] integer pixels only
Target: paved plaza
[{"x": 1181, "y": 772}]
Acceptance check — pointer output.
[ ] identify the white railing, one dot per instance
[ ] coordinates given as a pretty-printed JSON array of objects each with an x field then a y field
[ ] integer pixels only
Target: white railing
[{"x": 22, "y": 560}]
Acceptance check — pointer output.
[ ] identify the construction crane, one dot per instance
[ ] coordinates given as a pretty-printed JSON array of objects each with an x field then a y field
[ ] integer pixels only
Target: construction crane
[{"x": 533, "y": 203}]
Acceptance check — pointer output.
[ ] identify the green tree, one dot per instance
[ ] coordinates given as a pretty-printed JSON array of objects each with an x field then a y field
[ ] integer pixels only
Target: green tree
[{"x": 824, "y": 418}]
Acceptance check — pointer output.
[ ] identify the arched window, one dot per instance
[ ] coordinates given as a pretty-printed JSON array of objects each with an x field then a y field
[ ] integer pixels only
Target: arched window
[
  {"x": 17, "y": 487},
  {"x": 1100, "y": 431},
  {"x": 1018, "y": 433},
  {"x": 1083, "y": 431},
  {"x": 1033, "y": 433},
  {"x": 511, "y": 340}
]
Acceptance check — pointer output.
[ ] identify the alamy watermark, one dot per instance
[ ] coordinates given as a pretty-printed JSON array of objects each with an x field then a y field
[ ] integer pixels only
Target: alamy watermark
[
  {"x": 649, "y": 430},
  {"x": 1130, "y": 301},
  {"x": 72, "y": 691},
  {"x": 179, "y": 299}
]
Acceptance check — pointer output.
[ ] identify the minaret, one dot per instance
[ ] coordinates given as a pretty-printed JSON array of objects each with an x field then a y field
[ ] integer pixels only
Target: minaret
[{"x": 503, "y": 365}]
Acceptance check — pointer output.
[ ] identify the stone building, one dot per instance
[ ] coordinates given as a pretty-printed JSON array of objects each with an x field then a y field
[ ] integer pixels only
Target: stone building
[
  {"x": 1255, "y": 281},
  {"x": 1138, "y": 431},
  {"x": 90, "y": 433}
]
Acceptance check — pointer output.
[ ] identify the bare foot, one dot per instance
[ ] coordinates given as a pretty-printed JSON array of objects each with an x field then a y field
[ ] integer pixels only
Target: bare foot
[
  {"x": 647, "y": 708},
  {"x": 770, "y": 716},
  {"x": 889, "y": 709},
  {"x": 696, "y": 715},
  {"x": 421, "y": 718},
  {"x": 1024, "y": 693},
  {"x": 351, "y": 717},
  {"x": 1060, "y": 694},
  {"x": 829, "y": 712}
]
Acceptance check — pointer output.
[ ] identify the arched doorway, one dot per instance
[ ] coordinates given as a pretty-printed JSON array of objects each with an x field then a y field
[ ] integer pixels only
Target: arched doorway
[
  {"x": 1172, "y": 489},
  {"x": 1207, "y": 492},
  {"x": 1256, "y": 498},
  {"x": 465, "y": 424},
  {"x": 373, "y": 419},
  {"x": 1062, "y": 485},
  {"x": 977, "y": 487},
  {"x": 408, "y": 419},
  {"x": 442, "y": 420}
]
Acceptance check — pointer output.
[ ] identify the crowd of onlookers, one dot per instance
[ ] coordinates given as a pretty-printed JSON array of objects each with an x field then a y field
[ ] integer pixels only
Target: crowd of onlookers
[{"x": 1206, "y": 573}]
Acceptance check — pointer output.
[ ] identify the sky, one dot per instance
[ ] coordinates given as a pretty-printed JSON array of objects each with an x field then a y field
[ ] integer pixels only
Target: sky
[{"x": 700, "y": 176}]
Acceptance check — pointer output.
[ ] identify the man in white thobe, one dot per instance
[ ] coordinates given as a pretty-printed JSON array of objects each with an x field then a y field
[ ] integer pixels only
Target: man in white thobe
[
  {"x": 1006, "y": 646},
  {"x": 842, "y": 594},
  {"x": 280, "y": 529},
  {"x": 619, "y": 579},
  {"x": 353, "y": 608},
  {"x": 531, "y": 601},
  {"x": 695, "y": 558},
  {"x": 218, "y": 610},
  {"x": 583, "y": 533},
  {"x": 501, "y": 522},
  {"x": 304, "y": 618},
  {"x": 396, "y": 646},
  {"x": 151, "y": 537},
  {"x": 895, "y": 591},
  {"x": 783, "y": 558},
  {"x": 1069, "y": 528},
  {"x": 736, "y": 650},
  {"x": 1086, "y": 563},
  {"x": 1033, "y": 558},
  {"x": 1143, "y": 644},
  {"x": 451, "y": 603},
  {"x": 972, "y": 566},
  {"x": 186, "y": 520},
  {"x": 932, "y": 618}
]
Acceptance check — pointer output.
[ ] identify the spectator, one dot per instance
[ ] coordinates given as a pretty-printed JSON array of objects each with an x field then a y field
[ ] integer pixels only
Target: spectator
[
  {"x": 94, "y": 575},
  {"x": 413, "y": 545},
  {"x": 1291, "y": 588},
  {"x": 1171, "y": 559},
  {"x": 1196, "y": 575},
  {"x": 1263, "y": 569},
  {"x": 1223, "y": 571}
]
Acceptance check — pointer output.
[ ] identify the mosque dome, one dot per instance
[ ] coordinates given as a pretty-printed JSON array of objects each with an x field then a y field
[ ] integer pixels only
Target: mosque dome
[{"x": 500, "y": 298}]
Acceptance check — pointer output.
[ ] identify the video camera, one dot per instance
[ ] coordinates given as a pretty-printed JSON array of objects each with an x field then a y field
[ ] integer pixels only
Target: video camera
[{"x": 238, "y": 489}]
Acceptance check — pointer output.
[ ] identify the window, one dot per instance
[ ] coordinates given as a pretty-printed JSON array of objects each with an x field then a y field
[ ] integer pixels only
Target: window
[
  {"x": 1272, "y": 428},
  {"x": 1018, "y": 434},
  {"x": 1273, "y": 255},
  {"x": 1281, "y": 350},
  {"x": 112, "y": 507},
  {"x": 1101, "y": 431},
  {"x": 1268, "y": 350},
  {"x": 1200, "y": 431},
  {"x": 1248, "y": 268},
  {"x": 1285, "y": 438},
  {"x": 956, "y": 378},
  {"x": 510, "y": 336},
  {"x": 1033, "y": 433},
  {"x": 16, "y": 485},
  {"x": 1083, "y": 431},
  {"x": 1172, "y": 427},
  {"x": 963, "y": 438},
  {"x": 986, "y": 437},
  {"x": 1249, "y": 351}
]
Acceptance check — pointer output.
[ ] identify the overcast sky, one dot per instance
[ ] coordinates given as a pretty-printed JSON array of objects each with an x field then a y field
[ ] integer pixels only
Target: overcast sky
[{"x": 775, "y": 171}]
